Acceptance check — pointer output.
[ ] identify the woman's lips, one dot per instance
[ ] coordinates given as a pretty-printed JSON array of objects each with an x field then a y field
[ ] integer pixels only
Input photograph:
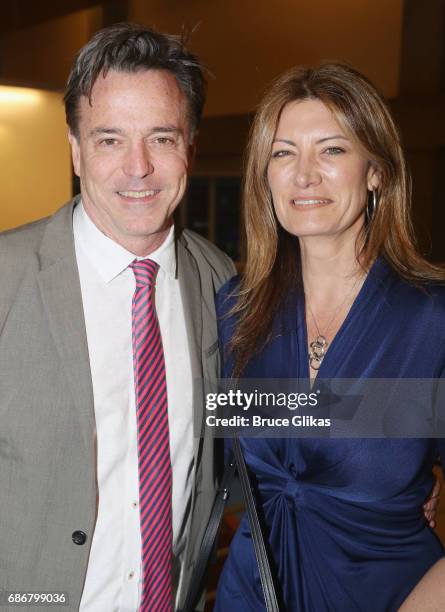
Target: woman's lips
[{"x": 310, "y": 202}]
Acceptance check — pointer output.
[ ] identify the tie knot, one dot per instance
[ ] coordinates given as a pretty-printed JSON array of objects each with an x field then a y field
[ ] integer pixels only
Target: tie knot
[{"x": 145, "y": 271}]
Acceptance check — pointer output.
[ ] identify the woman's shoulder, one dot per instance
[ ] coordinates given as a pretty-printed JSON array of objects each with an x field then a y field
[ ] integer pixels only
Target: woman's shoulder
[
  {"x": 418, "y": 308},
  {"x": 433, "y": 306},
  {"x": 227, "y": 296},
  {"x": 422, "y": 295},
  {"x": 226, "y": 318},
  {"x": 408, "y": 293}
]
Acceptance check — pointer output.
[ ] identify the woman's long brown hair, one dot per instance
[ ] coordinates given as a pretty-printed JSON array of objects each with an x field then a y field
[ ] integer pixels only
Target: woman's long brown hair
[{"x": 273, "y": 265}]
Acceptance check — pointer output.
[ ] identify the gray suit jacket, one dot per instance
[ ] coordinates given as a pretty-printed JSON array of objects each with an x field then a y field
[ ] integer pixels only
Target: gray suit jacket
[{"x": 47, "y": 443}]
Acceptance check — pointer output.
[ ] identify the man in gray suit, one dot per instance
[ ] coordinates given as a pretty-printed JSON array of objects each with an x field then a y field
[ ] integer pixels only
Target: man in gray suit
[{"x": 73, "y": 519}]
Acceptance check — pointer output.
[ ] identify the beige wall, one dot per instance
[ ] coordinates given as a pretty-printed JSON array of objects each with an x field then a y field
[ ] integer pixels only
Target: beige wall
[
  {"x": 42, "y": 54},
  {"x": 35, "y": 167},
  {"x": 35, "y": 170},
  {"x": 247, "y": 43},
  {"x": 244, "y": 43}
]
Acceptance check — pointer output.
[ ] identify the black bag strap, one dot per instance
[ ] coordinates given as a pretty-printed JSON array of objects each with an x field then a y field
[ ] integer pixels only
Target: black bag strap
[
  {"x": 211, "y": 532},
  {"x": 208, "y": 541},
  {"x": 270, "y": 597}
]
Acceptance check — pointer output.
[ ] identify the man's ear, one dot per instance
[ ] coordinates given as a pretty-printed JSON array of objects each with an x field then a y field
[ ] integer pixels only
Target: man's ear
[
  {"x": 374, "y": 177},
  {"x": 75, "y": 151},
  {"x": 191, "y": 154}
]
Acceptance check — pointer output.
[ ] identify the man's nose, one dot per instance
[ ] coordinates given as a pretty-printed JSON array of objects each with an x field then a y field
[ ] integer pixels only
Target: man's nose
[
  {"x": 307, "y": 173},
  {"x": 138, "y": 162}
]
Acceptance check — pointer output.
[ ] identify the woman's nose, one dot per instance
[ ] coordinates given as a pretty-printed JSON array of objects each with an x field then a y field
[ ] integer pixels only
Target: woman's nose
[{"x": 307, "y": 172}]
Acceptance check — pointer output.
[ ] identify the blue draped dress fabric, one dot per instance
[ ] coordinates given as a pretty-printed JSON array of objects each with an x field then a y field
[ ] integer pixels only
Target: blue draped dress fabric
[{"x": 343, "y": 517}]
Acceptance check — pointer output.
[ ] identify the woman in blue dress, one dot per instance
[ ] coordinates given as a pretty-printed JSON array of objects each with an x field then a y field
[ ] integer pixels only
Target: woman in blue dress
[{"x": 334, "y": 287}]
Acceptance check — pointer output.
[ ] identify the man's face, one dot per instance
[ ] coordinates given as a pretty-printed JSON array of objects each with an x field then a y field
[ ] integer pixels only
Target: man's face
[{"x": 132, "y": 156}]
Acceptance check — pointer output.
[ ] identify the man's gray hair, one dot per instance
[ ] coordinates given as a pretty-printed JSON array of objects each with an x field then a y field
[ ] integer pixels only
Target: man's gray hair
[{"x": 128, "y": 47}]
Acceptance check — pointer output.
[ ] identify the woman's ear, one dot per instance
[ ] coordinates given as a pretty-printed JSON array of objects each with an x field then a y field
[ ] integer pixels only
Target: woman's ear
[{"x": 374, "y": 177}]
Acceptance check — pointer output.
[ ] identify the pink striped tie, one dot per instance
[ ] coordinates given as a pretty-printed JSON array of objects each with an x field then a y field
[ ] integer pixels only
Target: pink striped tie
[{"x": 155, "y": 472}]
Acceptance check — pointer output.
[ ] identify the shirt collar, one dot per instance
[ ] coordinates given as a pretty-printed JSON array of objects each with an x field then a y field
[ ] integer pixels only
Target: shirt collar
[{"x": 108, "y": 257}]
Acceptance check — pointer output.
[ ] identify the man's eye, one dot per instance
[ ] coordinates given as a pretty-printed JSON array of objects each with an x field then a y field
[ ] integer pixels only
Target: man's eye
[
  {"x": 164, "y": 140},
  {"x": 108, "y": 142},
  {"x": 334, "y": 150}
]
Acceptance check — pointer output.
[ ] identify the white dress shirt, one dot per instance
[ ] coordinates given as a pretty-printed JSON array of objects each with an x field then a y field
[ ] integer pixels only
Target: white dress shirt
[{"x": 113, "y": 579}]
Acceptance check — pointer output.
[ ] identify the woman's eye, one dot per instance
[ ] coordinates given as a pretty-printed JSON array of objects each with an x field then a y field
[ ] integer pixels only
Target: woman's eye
[
  {"x": 282, "y": 153},
  {"x": 334, "y": 150}
]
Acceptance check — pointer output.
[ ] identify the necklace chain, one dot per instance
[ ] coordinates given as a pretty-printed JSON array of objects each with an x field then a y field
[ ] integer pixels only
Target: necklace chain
[{"x": 319, "y": 345}]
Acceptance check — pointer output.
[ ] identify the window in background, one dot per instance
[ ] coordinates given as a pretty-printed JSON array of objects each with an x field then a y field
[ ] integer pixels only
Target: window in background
[
  {"x": 197, "y": 206},
  {"x": 211, "y": 208},
  {"x": 227, "y": 215},
  {"x": 438, "y": 216}
]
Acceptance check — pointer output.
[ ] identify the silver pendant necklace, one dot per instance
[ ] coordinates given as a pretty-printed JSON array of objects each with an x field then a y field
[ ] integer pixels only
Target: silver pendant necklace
[
  {"x": 319, "y": 345},
  {"x": 317, "y": 350}
]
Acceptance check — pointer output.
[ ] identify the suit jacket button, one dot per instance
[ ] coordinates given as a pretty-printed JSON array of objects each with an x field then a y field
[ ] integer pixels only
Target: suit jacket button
[{"x": 79, "y": 537}]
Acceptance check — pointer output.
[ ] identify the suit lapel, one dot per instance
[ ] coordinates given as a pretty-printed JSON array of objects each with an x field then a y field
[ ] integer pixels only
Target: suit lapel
[
  {"x": 190, "y": 287},
  {"x": 61, "y": 295}
]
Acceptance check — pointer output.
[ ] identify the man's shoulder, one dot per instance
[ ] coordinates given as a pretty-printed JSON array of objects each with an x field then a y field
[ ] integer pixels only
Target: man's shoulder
[
  {"x": 27, "y": 238},
  {"x": 19, "y": 254},
  {"x": 18, "y": 258},
  {"x": 23, "y": 238},
  {"x": 206, "y": 253},
  {"x": 21, "y": 250}
]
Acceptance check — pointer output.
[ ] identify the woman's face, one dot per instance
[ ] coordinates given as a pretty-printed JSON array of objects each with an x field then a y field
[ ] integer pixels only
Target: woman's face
[{"x": 318, "y": 175}]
